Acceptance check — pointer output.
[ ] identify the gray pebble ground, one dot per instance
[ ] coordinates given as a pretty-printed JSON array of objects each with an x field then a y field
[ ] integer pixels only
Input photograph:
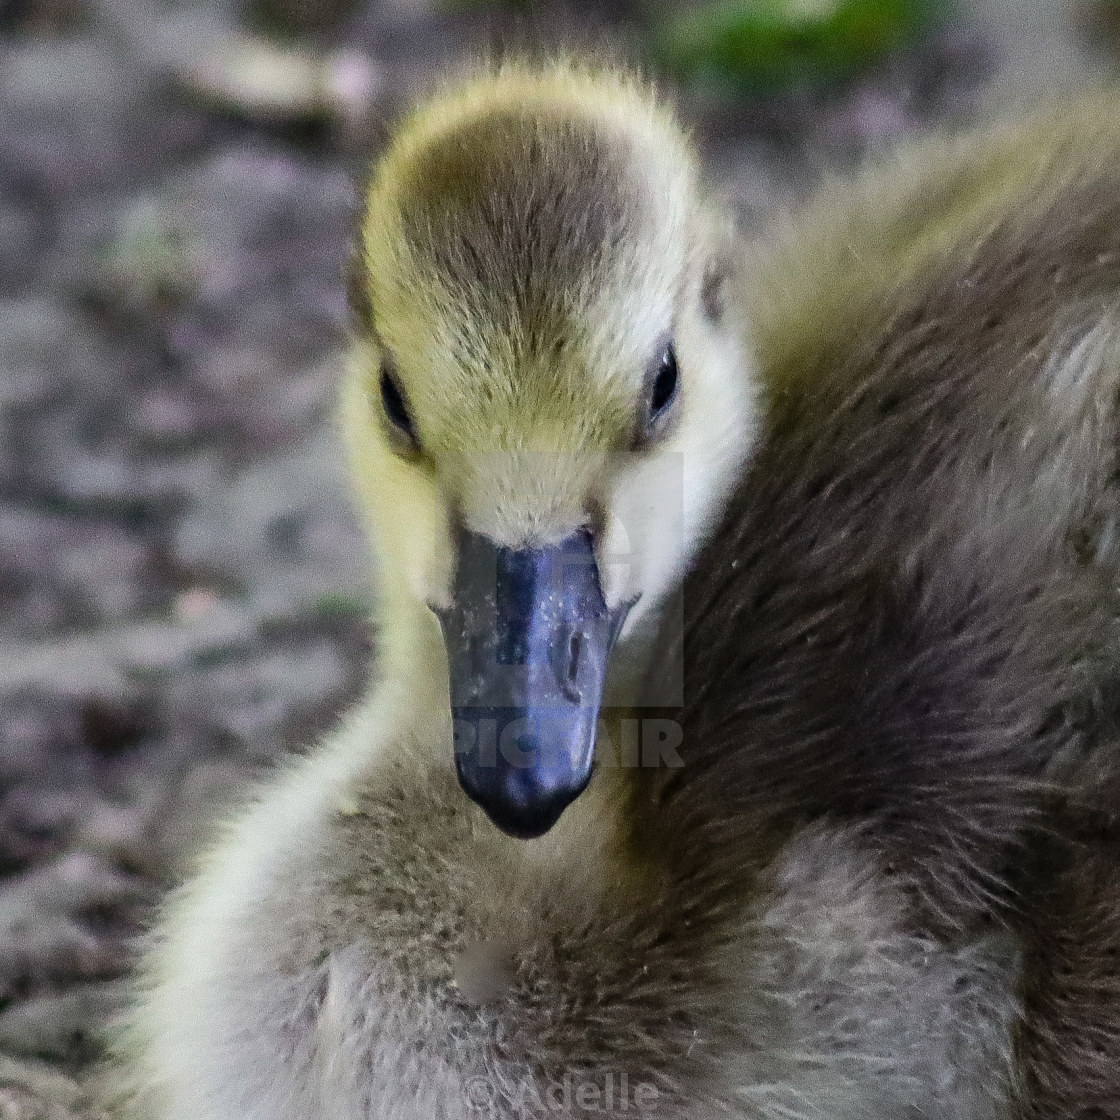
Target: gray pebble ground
[{"x": 182, "y": 583}]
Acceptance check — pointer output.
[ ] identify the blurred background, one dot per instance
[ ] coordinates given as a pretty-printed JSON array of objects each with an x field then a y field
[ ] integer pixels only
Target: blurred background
[{"x": 183, "y": 589}]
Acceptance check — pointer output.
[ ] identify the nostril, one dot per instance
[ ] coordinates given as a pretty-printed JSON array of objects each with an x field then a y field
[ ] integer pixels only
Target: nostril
[
  {"x": 569, "y": 682},
  {"x": 575, "y": 651}
]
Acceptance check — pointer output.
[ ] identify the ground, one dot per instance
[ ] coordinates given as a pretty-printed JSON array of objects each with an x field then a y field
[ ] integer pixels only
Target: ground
[{"x": 183, "y": 586}]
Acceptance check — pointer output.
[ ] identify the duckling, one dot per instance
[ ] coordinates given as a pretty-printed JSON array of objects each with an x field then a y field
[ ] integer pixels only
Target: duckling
[{"x": 873, "y": 875}]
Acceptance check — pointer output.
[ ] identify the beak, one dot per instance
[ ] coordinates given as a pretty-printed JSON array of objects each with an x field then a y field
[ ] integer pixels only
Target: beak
[{"x": 528, "y": 636}]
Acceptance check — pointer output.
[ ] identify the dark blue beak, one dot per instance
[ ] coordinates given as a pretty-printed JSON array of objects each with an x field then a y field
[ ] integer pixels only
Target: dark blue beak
[{"x": 528, "y": 637}]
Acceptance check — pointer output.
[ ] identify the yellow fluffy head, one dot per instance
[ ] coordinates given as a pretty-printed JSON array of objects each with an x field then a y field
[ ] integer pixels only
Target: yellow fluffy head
[{"x": 532, "y": 243}]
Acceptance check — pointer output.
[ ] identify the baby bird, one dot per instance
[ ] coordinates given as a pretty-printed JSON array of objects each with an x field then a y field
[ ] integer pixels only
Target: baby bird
[{"x": 863, "y": 864}]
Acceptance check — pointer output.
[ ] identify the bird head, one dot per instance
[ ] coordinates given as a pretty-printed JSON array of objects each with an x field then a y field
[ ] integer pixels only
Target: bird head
[{"x": 548, "y": 396}]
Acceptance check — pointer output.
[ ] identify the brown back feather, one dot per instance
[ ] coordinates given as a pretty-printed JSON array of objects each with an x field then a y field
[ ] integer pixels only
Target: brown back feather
[{"x": 910, "y": 615}]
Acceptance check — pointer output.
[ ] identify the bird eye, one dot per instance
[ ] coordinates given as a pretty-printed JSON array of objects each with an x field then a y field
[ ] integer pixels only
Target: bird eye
[
  {"x": 663, "y": 391},
  {"x": 396, "y": 411}
]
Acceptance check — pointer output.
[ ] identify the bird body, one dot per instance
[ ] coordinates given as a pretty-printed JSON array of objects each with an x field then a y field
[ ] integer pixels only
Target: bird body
[{"x": 882, "y": 880}]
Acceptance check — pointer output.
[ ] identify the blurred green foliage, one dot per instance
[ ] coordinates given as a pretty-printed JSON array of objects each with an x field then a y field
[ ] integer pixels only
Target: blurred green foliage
[
  {"x": 342, "y": 604},
  {"x": 763, "y": 45}
]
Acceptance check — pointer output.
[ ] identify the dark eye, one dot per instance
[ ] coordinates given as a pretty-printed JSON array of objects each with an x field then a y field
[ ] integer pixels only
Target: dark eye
[
  {"x": 663, "y": 390},
  {"x": 396, "y": 411}
]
